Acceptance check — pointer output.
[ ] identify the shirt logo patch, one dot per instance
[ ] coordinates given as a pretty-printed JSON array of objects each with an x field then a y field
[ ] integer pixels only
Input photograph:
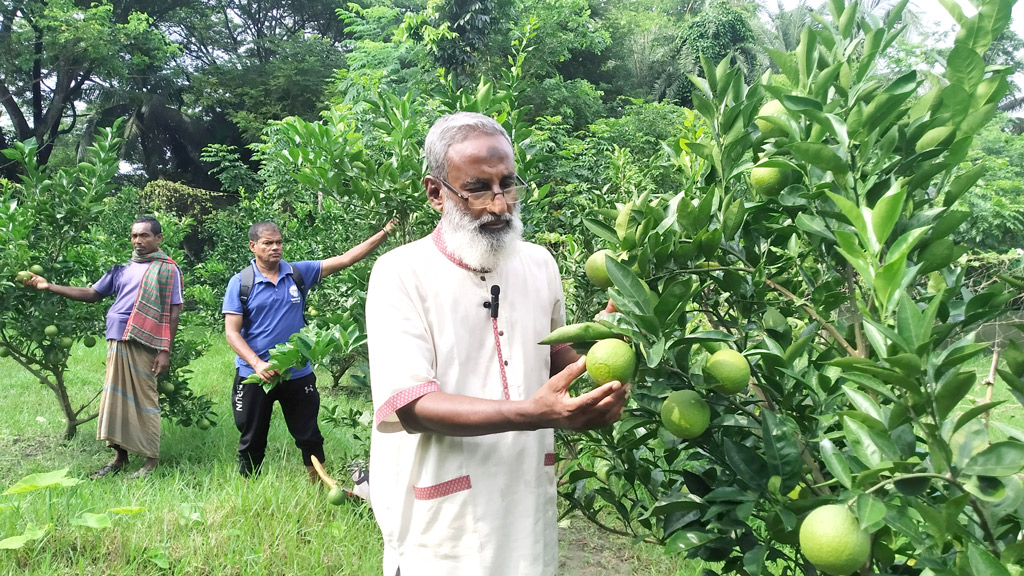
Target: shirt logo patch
[{"x": 293, "y": 291}]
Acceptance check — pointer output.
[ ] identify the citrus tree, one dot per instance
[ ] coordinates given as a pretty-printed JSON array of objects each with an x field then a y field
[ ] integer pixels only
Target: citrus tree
[
  {"x": 813, "y": 243},
  {"x": 69, "y": 226}
]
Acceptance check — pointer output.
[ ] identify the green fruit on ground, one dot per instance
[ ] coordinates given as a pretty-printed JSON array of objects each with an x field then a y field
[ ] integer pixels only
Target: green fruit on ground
[
  {"x": 4, "y": 352},
  {"x": 66, "y": 343},
  {"x": 36, "y": 269},
  {"x": 611, "y": 359},
  {"x": 203, "y": 424},
  {"x": 51, "y": 331},
  {"x": 89, "y": 341},
  {"x": 685, "y": 414},
  {"x": 582, "y": 332},
  {"x": 164, "y": 387},
  {"x": 770, "y": 108},
  {"x": 729, "y": 369},
  {"x": 769, "y": 181},
  {"x": 596, "y": 268},
  {"x": 23, "y": 275},
  {"x": 336, "y": 496},
  {"x": 833, "y": 541}
]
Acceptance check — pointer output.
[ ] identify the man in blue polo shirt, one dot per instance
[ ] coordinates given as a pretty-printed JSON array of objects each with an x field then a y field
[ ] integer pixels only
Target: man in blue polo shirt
[{"x": 272, "y": 313}]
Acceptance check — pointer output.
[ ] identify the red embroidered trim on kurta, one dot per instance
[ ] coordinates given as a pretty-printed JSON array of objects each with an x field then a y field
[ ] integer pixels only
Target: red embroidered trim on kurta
[
  {"x": 557, "y": 347},
  {"x": 549, "y": 459},
  {"x": 443, "y": 489},
  {"x": 438, "y": 237},
  {"x": 501, "y": 361},
  {"x": 403, "y": 397}
]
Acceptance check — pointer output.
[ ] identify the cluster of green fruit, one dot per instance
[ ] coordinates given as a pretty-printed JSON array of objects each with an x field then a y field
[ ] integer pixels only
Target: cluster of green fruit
[{"x": 830, "y": 536}]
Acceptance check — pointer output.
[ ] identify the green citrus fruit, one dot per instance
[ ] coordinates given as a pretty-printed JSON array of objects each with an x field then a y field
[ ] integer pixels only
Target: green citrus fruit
[
  {"x": 4, "y": 352},
  {"x": 685, "y": 414},
  {"x": 89, "y": 341},
  {"x": 66, "y": 343},
  {"x": 596, "y": 269},
  {"x": 770, "y": 108},
  {"x": 51, "y": 331},
  {"x": 164, "y": 387},
  {"x": 833, "y": 541},
  {"x": 769, "y": 181},
  {"x": 336, "y": 496},
  {"x": 313, "y": 312},
  {"x": 23, "y": 275},
  {"x": 203, "y": 424},
  {"x": 729, "y": 369},
  {"x": 611, "y": 359},
  {"x": 36, "y": 269}
]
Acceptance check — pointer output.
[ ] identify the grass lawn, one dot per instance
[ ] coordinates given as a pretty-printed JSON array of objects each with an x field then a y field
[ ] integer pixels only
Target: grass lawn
[{"x": 195, "y": 515}]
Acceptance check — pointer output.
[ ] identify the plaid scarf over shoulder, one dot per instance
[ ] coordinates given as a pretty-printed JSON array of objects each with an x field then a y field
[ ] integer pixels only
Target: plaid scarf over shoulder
[{"x": 149, "y": 323}]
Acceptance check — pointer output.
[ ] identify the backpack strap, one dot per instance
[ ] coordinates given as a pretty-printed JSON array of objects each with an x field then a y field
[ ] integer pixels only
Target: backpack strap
[{"x": 248, "y": 277}]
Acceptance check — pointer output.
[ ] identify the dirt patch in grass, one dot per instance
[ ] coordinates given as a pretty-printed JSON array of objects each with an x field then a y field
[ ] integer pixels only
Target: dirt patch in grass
[{"x": 586, "y": 550}]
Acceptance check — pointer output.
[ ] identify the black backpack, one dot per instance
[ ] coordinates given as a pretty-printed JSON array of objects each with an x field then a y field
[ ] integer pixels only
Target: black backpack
[{"x": 248, "y": 276}]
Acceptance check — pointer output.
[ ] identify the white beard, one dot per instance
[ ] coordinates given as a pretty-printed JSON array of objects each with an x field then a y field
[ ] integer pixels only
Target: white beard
[{"x": 477, "y": 247}]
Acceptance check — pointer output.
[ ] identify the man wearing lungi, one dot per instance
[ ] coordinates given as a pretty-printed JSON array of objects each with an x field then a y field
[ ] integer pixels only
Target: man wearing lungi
[
  {"x": 462, "y": 450},
  {"x": 141, "y": 325}
]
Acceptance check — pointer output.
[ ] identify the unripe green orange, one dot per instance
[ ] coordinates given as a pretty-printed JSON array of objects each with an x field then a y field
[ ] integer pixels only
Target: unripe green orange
[
  {"x": 66, "y": 343},
  {"x": 203, "y": 424},
  {"x": 685, "y": 414},
  {"x": 596, "y": 268},
  {"x": 89, "y": 341},
  {"x": 164, "y": 387},
  {"x": 770, "y": 108},
  {"x": 611, "y": 359},
  {"x": 729, "y": 371},
  {"x": 36, "y": 269},
  {"x": 769, "y": 181},
  {"x": 51, "y": 331},
  {"x": 833, "y": 541},
  {"x": 336, "y": 495}
]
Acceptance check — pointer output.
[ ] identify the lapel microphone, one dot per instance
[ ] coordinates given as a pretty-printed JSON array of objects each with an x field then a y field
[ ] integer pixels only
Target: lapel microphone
[{"x": 493, "y": 304}]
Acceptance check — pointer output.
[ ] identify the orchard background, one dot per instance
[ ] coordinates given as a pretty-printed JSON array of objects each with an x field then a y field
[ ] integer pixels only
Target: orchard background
[{"x": 826, "y": 190}]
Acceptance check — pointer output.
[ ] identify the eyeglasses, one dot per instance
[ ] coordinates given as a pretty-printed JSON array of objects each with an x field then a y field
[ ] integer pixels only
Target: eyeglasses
[{"x": 483, "y": 198}]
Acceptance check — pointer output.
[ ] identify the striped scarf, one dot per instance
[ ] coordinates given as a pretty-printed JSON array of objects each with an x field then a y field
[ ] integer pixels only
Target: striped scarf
[{"x": 149, "y": 323}]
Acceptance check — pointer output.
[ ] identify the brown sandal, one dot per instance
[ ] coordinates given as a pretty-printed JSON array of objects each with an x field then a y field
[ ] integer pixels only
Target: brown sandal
[{"x": 109, "y": 468}]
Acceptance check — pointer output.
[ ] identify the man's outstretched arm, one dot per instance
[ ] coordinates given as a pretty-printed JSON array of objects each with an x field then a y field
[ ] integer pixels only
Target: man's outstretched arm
[
  {"x": 80, "y": 293},
  {"x": 356, "y": 253}
]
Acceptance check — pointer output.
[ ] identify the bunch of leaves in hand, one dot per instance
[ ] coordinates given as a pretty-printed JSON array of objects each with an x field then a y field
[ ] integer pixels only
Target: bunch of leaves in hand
[{"x": 310, "y": 344}]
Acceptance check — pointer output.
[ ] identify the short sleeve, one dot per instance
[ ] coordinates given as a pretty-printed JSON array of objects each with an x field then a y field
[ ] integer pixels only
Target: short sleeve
[
  {"x": 401, "y": 350},
  {"x": 105, "y": 285},
  {"x": 232, "y": 303},
  {"x": 176, "y": 298},
  {"x": 310, "y": 270}
]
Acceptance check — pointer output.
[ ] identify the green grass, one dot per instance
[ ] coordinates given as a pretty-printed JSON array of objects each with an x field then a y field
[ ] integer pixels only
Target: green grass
[{"x": 195, "y": 514}]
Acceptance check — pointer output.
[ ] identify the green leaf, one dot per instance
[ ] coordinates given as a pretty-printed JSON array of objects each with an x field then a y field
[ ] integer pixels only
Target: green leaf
[
  {"x": 684, "y": 540},
  {"x": 982, "y": 561},
  {"x": 781, "y": 451},
  {"x": 887, "y": 212},
  {"x": 630, "y": 286},
  {"x": 750, "y": 467},
  {"x": 871, "y": 448},
  {"x": 953, "y": 387},
  {"x": 864, "y": 403},
  {"x": 31, "y": 533},
  {"x": 964, "y": 67},
  {"x": 854, "y": 216},
  {"x": 870, "y": 512},
  {"x": 42, "y": 480},
  {"x": 91, "y": 520},
  {"x": 602, "y": 230},
  {"x": 821, "y": 156},
  {"x": 836, "y": 463},
  {"x": 999, "y": 459}
]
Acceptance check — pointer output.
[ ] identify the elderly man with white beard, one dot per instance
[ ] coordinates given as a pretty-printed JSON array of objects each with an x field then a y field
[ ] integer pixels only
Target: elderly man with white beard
[{"x": 465, "y": 400}]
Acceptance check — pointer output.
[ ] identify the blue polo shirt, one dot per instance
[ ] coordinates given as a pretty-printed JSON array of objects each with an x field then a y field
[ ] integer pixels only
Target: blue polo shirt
[{"x": 275, "y": 312}]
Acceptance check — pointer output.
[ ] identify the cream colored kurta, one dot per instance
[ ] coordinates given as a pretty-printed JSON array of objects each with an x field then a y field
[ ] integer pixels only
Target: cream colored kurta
[{"x": 461, "y": 506}]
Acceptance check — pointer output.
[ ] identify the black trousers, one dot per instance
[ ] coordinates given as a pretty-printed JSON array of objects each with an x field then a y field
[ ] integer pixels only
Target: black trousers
[{"x": 253, "y": 407}]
